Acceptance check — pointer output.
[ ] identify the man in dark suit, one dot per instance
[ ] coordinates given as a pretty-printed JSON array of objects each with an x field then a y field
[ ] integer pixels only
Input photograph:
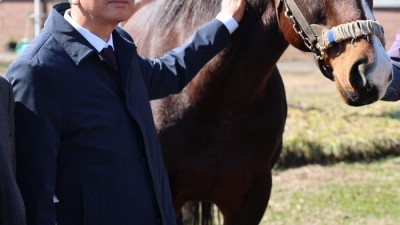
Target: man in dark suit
[
  {"x": 12, "y": 209},
  {"x": 87, "y": 149}
]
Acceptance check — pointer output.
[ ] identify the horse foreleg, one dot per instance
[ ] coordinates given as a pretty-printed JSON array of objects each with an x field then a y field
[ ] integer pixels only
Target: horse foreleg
[{"x": 251, "y": 210}]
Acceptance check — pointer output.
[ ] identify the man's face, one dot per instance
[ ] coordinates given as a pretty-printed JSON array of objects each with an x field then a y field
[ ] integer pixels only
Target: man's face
[{"x": 106, "y": 11}]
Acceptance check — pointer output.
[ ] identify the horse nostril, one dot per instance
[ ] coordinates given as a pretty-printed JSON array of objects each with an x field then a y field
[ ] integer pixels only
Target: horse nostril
[{"x": 358, "y": 73}]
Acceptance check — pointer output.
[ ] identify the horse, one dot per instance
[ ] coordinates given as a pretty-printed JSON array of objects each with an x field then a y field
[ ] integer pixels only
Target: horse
[{"x": 222, "y": 135}]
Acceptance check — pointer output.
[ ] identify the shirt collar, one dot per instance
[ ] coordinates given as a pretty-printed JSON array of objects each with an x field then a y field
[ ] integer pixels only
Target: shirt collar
[{"x": 94, "y": 40}]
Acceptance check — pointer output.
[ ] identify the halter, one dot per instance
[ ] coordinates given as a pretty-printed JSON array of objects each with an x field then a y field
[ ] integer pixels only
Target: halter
[{"x": 319, "y": 39}]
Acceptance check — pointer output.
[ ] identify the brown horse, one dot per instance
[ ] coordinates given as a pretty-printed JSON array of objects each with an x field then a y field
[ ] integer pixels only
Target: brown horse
[{"x": 222, "y": 135}]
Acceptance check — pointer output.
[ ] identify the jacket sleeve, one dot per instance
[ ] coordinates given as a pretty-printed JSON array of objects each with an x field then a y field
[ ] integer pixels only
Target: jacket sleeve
[
  {"x": 393, "y": 91},
  {"x": 12, "y": 210},
  {"x": 37, "y": 126},
  {"x": 394, "y": 51},
  {"x": 170, "y": 73}
]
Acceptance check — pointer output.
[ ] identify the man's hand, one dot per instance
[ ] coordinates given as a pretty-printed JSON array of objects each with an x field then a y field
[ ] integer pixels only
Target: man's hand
[{"x": 235, "y": 8}]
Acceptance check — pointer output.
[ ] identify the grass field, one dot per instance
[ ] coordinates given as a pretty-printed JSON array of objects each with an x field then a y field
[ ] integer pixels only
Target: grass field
[{"x": 322, "y": 129}]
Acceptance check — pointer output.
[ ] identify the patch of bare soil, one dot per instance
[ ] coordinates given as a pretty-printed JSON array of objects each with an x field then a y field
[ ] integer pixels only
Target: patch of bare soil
[
  {"x": 306, "y": 175},
  {"x": 316, "y": 174}
]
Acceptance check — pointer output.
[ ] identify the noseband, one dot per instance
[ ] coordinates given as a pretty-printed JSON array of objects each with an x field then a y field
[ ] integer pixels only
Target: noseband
[{"x": 319, "y": 39}]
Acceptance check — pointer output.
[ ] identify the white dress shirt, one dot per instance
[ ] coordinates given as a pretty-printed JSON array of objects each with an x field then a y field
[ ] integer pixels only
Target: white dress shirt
[
  {"x": 228, "y": 21},
  {"x": 94, "y": 40}
]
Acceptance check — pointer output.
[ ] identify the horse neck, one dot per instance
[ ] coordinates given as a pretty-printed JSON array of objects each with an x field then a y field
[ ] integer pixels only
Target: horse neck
[{"x": 240, "y": 73}]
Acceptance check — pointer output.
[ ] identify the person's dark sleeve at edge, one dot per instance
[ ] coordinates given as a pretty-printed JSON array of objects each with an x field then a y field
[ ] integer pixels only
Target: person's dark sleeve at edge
[{"x": 393, "y": 91}]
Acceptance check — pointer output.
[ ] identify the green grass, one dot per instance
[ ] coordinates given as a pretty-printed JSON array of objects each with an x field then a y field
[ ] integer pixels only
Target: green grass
[{"x": 321, "y": 128}]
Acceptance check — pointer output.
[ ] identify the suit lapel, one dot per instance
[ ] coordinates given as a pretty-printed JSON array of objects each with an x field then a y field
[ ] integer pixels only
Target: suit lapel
[{"x": 125, "y": 51}]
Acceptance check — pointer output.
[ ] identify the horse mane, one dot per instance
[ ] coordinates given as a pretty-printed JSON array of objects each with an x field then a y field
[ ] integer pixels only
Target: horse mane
[
  {"x": 187, "y": 11},
  {"x": 191, "y": 10}
]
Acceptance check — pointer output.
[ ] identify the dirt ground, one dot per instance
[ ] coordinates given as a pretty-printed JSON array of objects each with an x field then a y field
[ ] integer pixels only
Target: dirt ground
[{"x": 317, "y": 174}]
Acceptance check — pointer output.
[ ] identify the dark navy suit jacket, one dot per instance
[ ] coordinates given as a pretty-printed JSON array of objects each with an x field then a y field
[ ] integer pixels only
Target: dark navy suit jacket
[
  {"x": 393, "y": 91},
  {"x": 87, "y": 148},
  {"x": 12, "y": 209}
]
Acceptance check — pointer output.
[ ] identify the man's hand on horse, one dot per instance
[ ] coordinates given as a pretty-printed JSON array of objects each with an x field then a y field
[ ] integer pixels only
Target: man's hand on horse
[{"x": 234, "y": 7}]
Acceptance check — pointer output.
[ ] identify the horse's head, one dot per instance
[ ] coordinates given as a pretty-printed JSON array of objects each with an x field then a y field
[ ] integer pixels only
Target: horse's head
[{"x": 347, "y": 42}]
